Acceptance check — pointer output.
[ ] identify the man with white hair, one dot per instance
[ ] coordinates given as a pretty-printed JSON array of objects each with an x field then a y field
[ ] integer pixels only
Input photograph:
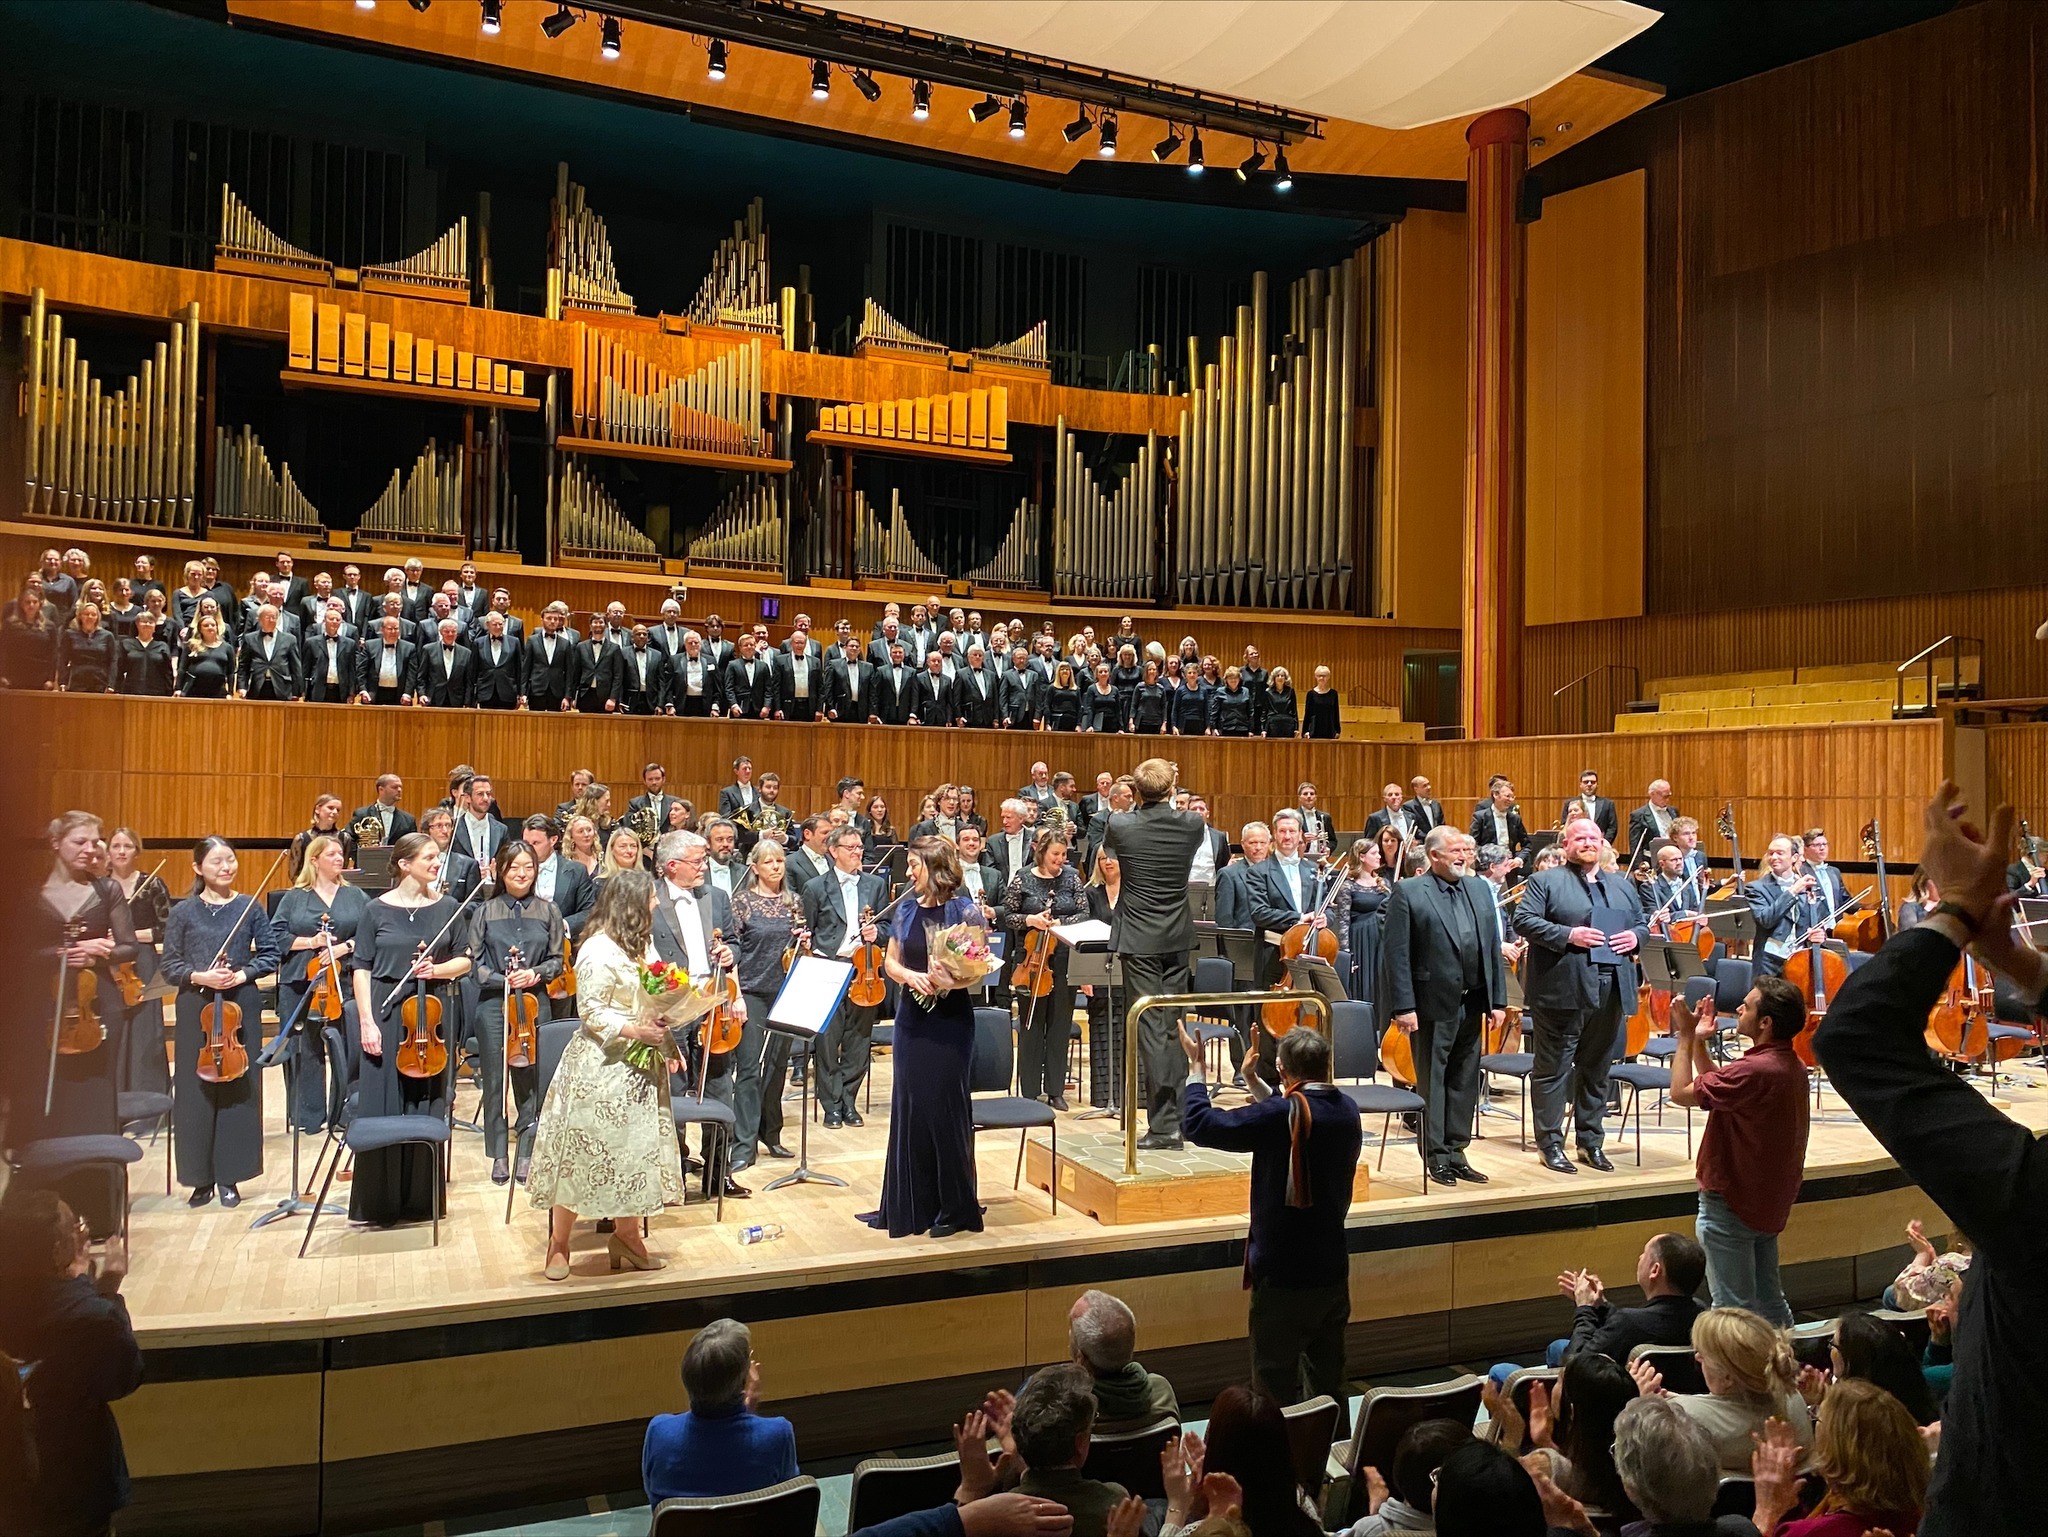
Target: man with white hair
[
  {"x": 447, "y": 669},
  {"x": 1652, "y": 820},
  {"x": 1669, "y": 1468},
  {"x": 267, "y": 664},
  {"x": 688, "y": 912},
  {"x": 1102, "y": 1334}
]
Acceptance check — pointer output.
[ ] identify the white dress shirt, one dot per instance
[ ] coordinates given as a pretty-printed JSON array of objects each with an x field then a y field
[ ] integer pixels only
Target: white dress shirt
[
  {"x": 690, "y": 927},
  {"x": 1290, "y": 880},
  {"x": 1203, "y": 871},
  {"x": 544, "y": 877},
  {"x": 849, "y": 903}
]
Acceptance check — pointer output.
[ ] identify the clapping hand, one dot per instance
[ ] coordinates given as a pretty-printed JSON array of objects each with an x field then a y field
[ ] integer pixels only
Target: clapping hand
[
  {"x": 1649, "y": 1381},
  {"x": 1813, "y": 1385},
  {"x": 977, "y": 1473},
  {"x": 1775, "y": 1467},
  {"x": 997, "y": 1409},
  {"x": 1582, "y": 1286},
  {"x": 1560, "y": 1510},
  {"x": 1127, "y": 1518},
  {"x": 1501, "y": 1410}
]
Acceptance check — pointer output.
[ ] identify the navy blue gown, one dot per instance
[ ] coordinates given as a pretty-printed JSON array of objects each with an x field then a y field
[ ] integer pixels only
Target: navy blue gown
[{"x": 928, "y": 1175}]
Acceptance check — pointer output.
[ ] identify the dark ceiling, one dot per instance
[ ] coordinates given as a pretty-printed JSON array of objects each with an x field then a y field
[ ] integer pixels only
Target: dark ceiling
[{"x": 1701, "y": 44}]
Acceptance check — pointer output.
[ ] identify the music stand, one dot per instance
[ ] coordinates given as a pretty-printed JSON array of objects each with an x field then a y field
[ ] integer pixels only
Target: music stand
[
  {"x": 1208, "y": 941},
  {"x": 1669, "y": 966},
  {"x": 804, "y": 1009},
  {"x": 1538, "y": 842},
  {"x": 1202, "y": 901},
  {"x": 301, "y": 1200},
  {"x": 374, "y": 864},
  {"x": 1732, "y": 924}
]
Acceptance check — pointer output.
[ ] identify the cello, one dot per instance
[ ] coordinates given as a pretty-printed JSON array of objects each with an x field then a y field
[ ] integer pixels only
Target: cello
[
  {"x": 1959, "y": 1026},
  {"x": 1818, "y": 973},
  {"x": 1305, "y": 939},
  {"x": 522, "y": 1016}
]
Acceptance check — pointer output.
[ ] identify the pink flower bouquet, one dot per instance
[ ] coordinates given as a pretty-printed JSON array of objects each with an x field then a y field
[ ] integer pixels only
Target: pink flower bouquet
[{"x": 959, "y": 957}]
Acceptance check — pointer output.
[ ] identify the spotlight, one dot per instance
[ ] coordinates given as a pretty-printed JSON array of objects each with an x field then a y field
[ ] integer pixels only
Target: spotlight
[
  {"x": 1195, "y": 152},
  {"x": 1077, "y": 127},
  {"x": 821, "y": 80},
  {"x": 1020, "y": 109},
  {"x": 420, "y": 5},
  {"x": 716, "y": 69},
  {"x": 608, "y": 37},
  {"x": 493, "y": 15},
  {"x": 366, "y": 5},
  {"x": 1106, "y": 136},
  {"x": 864, "y": 83},
  {"x": 920, "y": 99},
  {"x": 1167, "y": 147},
  {"x": 560, "y": 22},
  {"x": 1252, "y": 164},
  {"x": 985, "y": 109},
  {"x": 1282, "y": 177}
]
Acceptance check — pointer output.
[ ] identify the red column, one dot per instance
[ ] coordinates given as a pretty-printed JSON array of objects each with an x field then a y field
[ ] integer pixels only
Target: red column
[{"x": 1497, "y": 251}]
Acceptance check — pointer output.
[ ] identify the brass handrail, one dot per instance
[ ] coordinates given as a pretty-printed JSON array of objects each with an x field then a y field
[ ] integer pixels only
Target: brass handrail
[{"x": 1312, "y": 1000}]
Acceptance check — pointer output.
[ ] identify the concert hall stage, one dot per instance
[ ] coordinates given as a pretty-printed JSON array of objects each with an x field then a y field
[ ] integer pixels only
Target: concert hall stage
[{"x": 379, "y": 1376}]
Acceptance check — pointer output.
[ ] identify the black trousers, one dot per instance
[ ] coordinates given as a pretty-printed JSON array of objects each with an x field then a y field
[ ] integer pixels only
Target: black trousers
[
  {"x": 491, "y": 1070},
  {"x": 1159, "y": 1048},
  {"x": 1574, "y": 1057},
  {"x": 1044, "y": 1026},
  {"x": 841, "y": 1054},
  {"x": 1297, "y": 1337},
  {"x": 800, "y": 709},
  {"x": 1447, "y": 1062}
]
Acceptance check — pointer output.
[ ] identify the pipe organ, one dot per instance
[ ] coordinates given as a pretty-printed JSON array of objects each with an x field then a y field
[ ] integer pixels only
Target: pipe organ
[
  {"x": 889, "y": 552},
  {"x": 581, "y": 275},
  {"x": 1104, "y": 546},
  {"x": 592, "y": 526},
  {"x": 328, "y": 338},
  {"x": 1027, "y": 351},
  {"x": 248, "y": 493},
  {"x": 123, "y": 456},
  {"x": 746, "y": 532},
  {"x": 1016, "y": 565},
  {"x": 736, "y": 293},
  {"x": 247, "y": 244},
  {"x": 441, "y": 271},
  {"x": 422, "y": 507},
  {"x": 880, "y": 330},
  {"x": 963, "y": 419},
  {"x": 621, "y": 397},
  {"x": 1268, "y": 447}
]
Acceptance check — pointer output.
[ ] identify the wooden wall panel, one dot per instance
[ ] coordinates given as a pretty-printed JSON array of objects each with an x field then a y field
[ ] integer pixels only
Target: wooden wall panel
[
  {"x": 1583, "y": 463},
  {"x": 2016, "y": 772}
]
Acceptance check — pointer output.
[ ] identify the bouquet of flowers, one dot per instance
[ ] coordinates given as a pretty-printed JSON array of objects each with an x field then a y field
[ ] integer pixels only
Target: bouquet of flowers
[
  {"x": 959, "y": 957},
  {"x": 667, "y": 997}
]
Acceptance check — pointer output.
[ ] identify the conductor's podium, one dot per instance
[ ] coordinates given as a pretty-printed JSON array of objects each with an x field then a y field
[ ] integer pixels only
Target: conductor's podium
[{"x": 1193, "y": 1182}]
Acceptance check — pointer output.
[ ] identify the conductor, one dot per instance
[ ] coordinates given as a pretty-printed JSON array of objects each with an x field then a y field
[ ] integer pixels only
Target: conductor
[{"x": 1153, "y": 930}]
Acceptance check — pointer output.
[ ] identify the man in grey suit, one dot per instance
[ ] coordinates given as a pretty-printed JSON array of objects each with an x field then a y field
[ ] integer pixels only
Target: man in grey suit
[
  {"x": 686, "y": 910},
  {"x": 1577, "y": 1002},
  {"x": 1153, "y": 929},
  {"x": 1445, "y": 975}
]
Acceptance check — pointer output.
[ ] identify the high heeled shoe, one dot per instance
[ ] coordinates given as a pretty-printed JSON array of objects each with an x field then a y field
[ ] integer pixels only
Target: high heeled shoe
[
  {"x": 623, "y": 1258},
  {"x": 558, "y": 1267}
]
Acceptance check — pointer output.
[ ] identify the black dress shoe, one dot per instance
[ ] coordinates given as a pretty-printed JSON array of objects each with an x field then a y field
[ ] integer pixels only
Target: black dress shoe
[
  {"x": 691, "y": 1166},
  {"x": 1058, "y": 1101},
  {"x": 735, "y": 1189},
  {"x": 851, "y": 1117},
  {"x": 1159, "y": 1142},
  {"x": 945, "y": 1229},
  {"x": 1468, "y": 1174},
  {"x": 230, "y": 1196},
  {"x": 522, "y": 1169},
  {"x": 833, "y": 1121},
  {"x": 1594, "y": 1158},
  {"x": 1555, "y": 1161},
  {"x": 501, "y": 1170},
  {"x": 201, "y": 1196},
  {"x": 1411, "y": 1122},
  {"x": 1441, "y": 1174},
  {"x": 777, "y": 1150}
]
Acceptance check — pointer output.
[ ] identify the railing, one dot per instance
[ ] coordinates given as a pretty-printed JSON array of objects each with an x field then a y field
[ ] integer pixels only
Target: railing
[
  {"x": 1582, "y": 683},
  {"x": 1313, "y": 1002},
  {"x": 1955, "y": 645}
]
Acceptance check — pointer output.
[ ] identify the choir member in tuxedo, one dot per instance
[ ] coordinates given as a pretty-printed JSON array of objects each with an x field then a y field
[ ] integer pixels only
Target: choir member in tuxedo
[
  {"x": 1421, "y": 811},
  {"x": 1389, "y": 814},
  {"x": 385, "y": 666},
  {"x": 749, "y": 683},
  {"x": 846, "y": 683},
  {"x": 799, "y": 679},
  {"x": 1655, "y": 818},
  {"x": 557, "y": 878},
  {"x": 1577, "y": 996},
  {"x": 477, "y": 832},
  {"x": 516, "y": 917},
  {"x": 892, "y": 634},
  {"x": 890, "y": 689},
  {"x": 547, "y": 665},
  {"x": 742, "y": 794},
  {"x": 1498, "y": 820},
  {"x": 501, "y": 605},
  {"x": 596, "y": 672},
  {"x": 837, "y": 911},
  {"x": 717, "y": 649},
  {"x": 500, "y": 666},
  {"x": 667, "y": 636},
  {"x": 217, "y": 943},
  {"x": 145, "y": 666},
  {"x": 393, "y": 607},
  {"x": 931, "y": 694},
  {"x": 266, "y": 663},
  {"x": 447, "y": 670},
  {"x": 358, "y": 607},
  {"x": 412, "y": 590},
  {"x": 328, "y": 662},
  {"x": 1021, "y": 692},
  {"x": 317, "y": 891},
  {"x": 1834, "y": 890},
  {"x": 1445, "y": 977},
  {"x": 977, "y": 693},
  {"x": 643, "y": 675},
  {"x": 1595, "y": 807},
  {"x": 296, "y": 587}
]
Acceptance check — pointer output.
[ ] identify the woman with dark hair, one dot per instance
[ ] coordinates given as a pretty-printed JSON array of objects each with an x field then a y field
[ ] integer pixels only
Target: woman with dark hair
[
  {"x": 969, "y": 816},
  {"x": 1149, "y": 703},
  {"x": 1575, "y": 1430},
  {"x": 1047, "y": 893},
  {"x": 145, "y": 666},
  {"x": 881, "y": 830},
  {"x": 142, "y": 1067},
  {"x": 928, "y": 1175},
  {"x": 1370, "y": 888},
  {"x": 218, "y": 942},
  {"x": 404, "y": 938},
  {"x": 1102, "y": 707},
  {"x": 1868, "y": 1348},
  {"x": 1481, "y": 1491},
  {"x": 1232, "y": 708},
  {"x": 28, "y": 643},
  {"x": 515, "y": 938},
  {"x": 1248, "y": 1440}
]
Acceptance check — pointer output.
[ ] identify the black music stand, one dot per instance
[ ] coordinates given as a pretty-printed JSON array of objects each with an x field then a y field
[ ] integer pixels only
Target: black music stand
[
  {"x": 1202, "y": 901},
  {"x": 1669, "y": 966},
  {"x": 300, "y": 1201},
  {"x": 1732, "y": 923},
  {"x": 804, "y": 1010},
  {"x": 1095, "y": 965}
]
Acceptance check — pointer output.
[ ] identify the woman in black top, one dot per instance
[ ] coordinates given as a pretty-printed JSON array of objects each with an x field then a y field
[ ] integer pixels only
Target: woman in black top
[
  {"x": 1063, "y": 700},
  {"x": 122, "y": 613},
  {"x": 1283, "y": 705},
  {"x": 1105, "y": 1004},
  {"x": 1369, "y": 893},
  {"x": 86, "y": 653},
  {"x": 1320, "y": 716},
  {"x": 1102, "y": 707},
  {"x": 881, "y": 831},
  {"x": 1149, "y": 703},
  {"x": 1125, "y": 677},
  {"x": 207, "y": 670},
  {"x": 142, "y": 1066},
  {"x": 1230, "y": 707},
  {"x": 968, "y": 815},
  {"x": 1190, "y": 658},
  {"x": 317, "y": 891},
  {"x": 1187, "y": 703},
  {"x": 765, "y": 915},
  {"x": 218, "y": 943},
  {"x": 28, "y": 644},
  {"x": 154, "y": 602},
  {"x": 513, "y": 919},
  {"x": 1047, "y": 893},
  {"x": 143, "y": 664},
  {"x": 76, "y": 915}
]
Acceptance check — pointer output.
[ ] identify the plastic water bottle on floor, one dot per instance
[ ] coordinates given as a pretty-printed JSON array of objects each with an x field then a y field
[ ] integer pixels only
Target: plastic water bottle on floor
[{"x": 760, "y": 1232}]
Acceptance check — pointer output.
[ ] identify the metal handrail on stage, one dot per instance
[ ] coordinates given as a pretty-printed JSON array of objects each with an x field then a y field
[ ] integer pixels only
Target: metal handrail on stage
[{"x": 1143, "y": 1006}]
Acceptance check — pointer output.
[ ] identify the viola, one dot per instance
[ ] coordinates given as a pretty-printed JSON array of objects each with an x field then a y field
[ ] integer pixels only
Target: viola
[
  {"x": 325, "y": 1001},
  {"x": 522, "y": 1016},
  {"x": 79, "y": 1028},
  {"x": 722, "y": 1028},
  {"x": 222, "y": 1056},
  {"x": 128, "y": 982},
  {"x": 564, "y": 986},
  {"x": 421, "y": 1051},
  {"x": 870, "y": 983}
]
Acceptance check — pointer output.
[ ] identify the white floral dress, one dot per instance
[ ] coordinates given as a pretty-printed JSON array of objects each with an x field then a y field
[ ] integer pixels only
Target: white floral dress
[{"x": 607, "y": 1140}]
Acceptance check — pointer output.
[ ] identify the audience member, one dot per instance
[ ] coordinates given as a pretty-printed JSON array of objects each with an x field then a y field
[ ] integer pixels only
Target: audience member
[
  {"x": 1868, "y": 1451},
  {"x": 1751, "y": 1375},
  {"x": 1481, "y": 1491},
  {"x": 994, "y": 1515},
  {"x": 1871, "y": 1350},
  {"x": 1670, "y": 1472},
  {"x": 1044, "y": 1431},
  {"x": 1668, "y": 1273},
  {"x": 1571, "y": 1434},
  {"x": 1928, "y": 1276},
  {"x": 1248, "y": 1440},
  {"x": 1399, "y": 1503},
  {"x": 719, "y": 1445},
  {"x": 1102, "y": 1333}
]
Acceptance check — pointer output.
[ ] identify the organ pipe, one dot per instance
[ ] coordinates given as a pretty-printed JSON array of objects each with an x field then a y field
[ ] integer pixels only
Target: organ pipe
[
  {"x": 1103, "y": 544},
  {"x": 249, "y": 493},
  {"x": 746, "y": 532},
  {"x": 581, "y": 274},
  {"x": 423, "y": 505},
  {"x": 593, "y": 527}
]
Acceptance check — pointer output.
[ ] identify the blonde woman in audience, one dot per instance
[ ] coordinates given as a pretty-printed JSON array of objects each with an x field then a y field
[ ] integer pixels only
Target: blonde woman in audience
[
  {"x": 1752, "y": 1377},
  {"x": 1869, "y": 1451},
  {"x": 580, "y": 843}
]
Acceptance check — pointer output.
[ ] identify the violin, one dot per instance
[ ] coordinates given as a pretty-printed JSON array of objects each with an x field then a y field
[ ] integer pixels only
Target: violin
[
  {"x": 126, "y": 978},
  {"x": 79, "y": 1028},
  {"x": 1305, "y": 939},
  {"x": 722, "y": 1028},
  {"x": 222, "y": 1056},
  {"x": 1034, "y": 976},
  {"x": 325, "y": 1001},
  {"x": 522, "y": 1016},
  {"x": 564, "y": 986},
  {"x": 422, "y": 1053},
  {"x": 870, "y": 983}
]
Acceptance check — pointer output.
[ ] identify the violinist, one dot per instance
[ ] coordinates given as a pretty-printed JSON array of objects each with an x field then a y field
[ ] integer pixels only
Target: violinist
[
  {"x": 516, "y": 917},
  {"x": 1676, "y": 890},
  {"x": 766, "y": 914},
  {"x": 218, "y": 942},
  {"x": 1787, "y": 905},
  {"x": 838, "y": 913},
  {"x": 690, "y": 913},
  {"x": 396, "y": 943},
  {"x": 1046, "y": 893},
  {"x": 1369, "y": 892},
  {"x": 2028, "y": 876},
  {"x": 143, "y": 1066},
  {"x": 317, "y": 892},
  {"x": 1289, "y": 889},
  {"x": 77, "y": 898}
]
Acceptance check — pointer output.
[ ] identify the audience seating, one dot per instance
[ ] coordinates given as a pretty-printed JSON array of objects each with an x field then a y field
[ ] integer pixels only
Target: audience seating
[
  {"x": 1131, "y": 1457},
  {"x": 1311, "y": 1424},
  {"x": 67, "y": 1164},
  {"x": 1516, "y": 1392},
  {"x": 990, "y": 1075},
  {"x": 1678, "y": 1366},
  {"x": 1383, "y": 1415},
  {"x": 1213, "y": 974},
  {"x": 887, "y": 1487},
  {"x": 362, "y": 1134},
  {"x": 788, "y": 1509},
  {"x": 1735, "y": 1497},
  {"x": 1355, "y": 1054}
]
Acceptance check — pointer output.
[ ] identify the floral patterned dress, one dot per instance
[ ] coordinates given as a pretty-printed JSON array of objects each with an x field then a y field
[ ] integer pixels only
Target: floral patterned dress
[{"x": 607, "y": 1140}]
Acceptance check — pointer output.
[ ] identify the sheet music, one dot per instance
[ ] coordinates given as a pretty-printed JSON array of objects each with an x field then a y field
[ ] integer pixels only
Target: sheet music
[
  {"x": 810, "y": 994},
  {"x": 1089, "y": 931}
]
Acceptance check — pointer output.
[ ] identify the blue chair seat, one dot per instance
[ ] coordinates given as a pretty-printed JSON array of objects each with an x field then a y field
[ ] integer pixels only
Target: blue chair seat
[
  {"x": 2009, "y": 1033},
  {"x": 689, "y": 1110},
  {"x": 1642, "y": 1076},
  {"x": 1008, "y": 1112},
  {"x": 1662, "y": 1047},
  {"x": 885, "y": 1033},
  {"x": 369, "y": 1132},
  {"x": 1509, "y": 1064},
  {"x": 1382, "y": 1099},
  {"x": 53, "y": 1155},
  {"x": 139, "y": 1105}
]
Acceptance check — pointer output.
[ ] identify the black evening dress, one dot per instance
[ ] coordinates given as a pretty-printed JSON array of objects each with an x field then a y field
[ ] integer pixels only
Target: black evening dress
[
  {"x": 208, "y": 673},
  {"x": 142, "y": 1066},
  {"x": 217, "y": 1128},
  {"x": 298, "y": 916},
  {"x": 1368, "y": 909},
  {"x": 1319, "y": 714},
  {"x": 396, "y": 1184},
  {"x": 928, "y": 1175},
  {"x": 82, "y": 1095}
]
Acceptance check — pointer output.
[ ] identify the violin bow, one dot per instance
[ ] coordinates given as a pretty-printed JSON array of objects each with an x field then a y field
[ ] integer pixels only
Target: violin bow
[
  {"x": 221, "y": 958},
  {"x": 57, "y": 1018},
  {"x": 474, "y": 892}
]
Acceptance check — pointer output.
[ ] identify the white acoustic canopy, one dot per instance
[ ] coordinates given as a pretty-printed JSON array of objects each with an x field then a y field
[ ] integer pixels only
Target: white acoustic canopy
[{"x": 1389, "y": 63}]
